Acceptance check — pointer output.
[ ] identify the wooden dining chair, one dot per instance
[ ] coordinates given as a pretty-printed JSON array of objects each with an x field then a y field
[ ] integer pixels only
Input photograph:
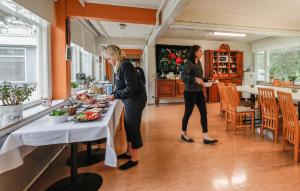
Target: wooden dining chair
[
  {"x": 276, "y": 82},
  {"x": 286, "y": 84},
  {"x": 236, "y": 95},
  {"x": 236, "y": 114},
  {"x": 269, "y": 111},
  {"x": 221, "y": 93},
  {"x": 290, "y": 122}
]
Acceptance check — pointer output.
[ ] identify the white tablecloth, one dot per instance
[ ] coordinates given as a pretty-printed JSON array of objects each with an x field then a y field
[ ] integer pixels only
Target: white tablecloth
[
  {"x": 254, "y": 90},
  {"x": 43, "y": 132}
]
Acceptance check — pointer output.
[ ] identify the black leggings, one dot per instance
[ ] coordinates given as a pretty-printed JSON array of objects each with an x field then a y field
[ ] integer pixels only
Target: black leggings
[
  {"x": 132, "y": 119},
  {"x": 190, "y": 100}
]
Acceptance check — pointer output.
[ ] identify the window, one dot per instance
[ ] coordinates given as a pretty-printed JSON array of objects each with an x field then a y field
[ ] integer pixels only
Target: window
[
  {"x": 82, "y": 62},
  {"x": 23, "y": 48},
  {"x": 285, "y": 63},
  {"x": 261, "y": 67},
  {"x": 12, "y": 64},
  {"x": 87, "y": 63},
  {"x": 75, "y": 64},
  {"x": 280, "y": 64}
]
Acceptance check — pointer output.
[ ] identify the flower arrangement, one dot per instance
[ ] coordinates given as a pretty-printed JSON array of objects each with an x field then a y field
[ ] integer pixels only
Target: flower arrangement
[
  {"x": 12, "y": 94},
  {"x": 170, "y": 58}
]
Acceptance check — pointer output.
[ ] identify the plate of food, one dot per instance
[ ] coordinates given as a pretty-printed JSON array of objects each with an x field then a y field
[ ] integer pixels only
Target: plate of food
[
  {"x": 87, "y": 116},
  {"x": 85, "y": 99},
  {"x": 98, "y": 110}
]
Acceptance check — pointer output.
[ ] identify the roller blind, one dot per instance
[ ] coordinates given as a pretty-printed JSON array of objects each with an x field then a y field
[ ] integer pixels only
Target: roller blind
[{"x": 43, "y": 8}]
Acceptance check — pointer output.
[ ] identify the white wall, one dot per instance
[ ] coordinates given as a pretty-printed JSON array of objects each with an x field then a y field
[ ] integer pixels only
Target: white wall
[{"x": 150, "y": 60}]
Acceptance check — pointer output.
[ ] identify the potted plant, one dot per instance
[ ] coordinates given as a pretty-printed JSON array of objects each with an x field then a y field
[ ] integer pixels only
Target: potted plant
[
  {"x": 292, "y": 78},
  {"x": 12, "y": 96},
  {"x": 272, "y": 72},
  {"x": 74, "y": 87}
]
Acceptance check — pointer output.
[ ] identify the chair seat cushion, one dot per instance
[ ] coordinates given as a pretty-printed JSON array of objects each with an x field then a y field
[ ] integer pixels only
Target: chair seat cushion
[{"x": 244, "y": 109}]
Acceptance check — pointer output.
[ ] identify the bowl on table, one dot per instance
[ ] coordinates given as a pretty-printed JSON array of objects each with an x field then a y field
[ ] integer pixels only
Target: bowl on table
[
  {"x": 58, "y": 119},
  {"x": 58, "y": 116}
]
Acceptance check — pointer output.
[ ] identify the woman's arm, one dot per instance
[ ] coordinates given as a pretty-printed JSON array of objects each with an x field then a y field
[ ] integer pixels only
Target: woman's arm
[{"x": 132, "y": 86}]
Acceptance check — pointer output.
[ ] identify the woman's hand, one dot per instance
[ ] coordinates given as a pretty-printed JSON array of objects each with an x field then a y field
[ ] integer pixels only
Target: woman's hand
[{"x": 199, "y": 81}]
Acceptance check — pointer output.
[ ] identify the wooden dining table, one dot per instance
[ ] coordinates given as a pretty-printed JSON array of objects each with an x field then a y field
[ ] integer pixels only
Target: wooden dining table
[{"x": 253, "y": 91}]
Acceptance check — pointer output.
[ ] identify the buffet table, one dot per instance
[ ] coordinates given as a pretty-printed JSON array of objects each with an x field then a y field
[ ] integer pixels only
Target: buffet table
[{"x": 43, "y": 132}]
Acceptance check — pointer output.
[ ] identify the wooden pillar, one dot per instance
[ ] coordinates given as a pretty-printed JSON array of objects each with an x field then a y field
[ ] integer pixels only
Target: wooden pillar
[{"x": 61, "y": 77}]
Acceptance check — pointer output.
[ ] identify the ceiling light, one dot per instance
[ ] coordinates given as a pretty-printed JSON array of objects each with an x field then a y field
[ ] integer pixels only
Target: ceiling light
[
  {"x": 122, "y": 26},
  {"x": 229, "y": 34}
]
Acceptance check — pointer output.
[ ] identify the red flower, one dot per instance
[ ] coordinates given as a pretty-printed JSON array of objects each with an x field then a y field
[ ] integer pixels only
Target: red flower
[
  {"x": 172, "y": 56},
  {"x": 169, "y": 62},
  {"x": 179, "y": 60}
]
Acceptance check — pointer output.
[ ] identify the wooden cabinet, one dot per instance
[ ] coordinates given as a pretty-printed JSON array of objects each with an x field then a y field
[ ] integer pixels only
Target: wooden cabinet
[
  {"x": 179, "y": 87},
  {"x": 166, "y": 88},
  {"x": 224, "y": 65}
]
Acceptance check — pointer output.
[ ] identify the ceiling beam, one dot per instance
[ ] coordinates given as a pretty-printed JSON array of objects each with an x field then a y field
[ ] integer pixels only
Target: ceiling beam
[
  {"x": 169, "y": 11},
  {"x": 133, "y": 51},
  {"x": 113, "y": 13}
]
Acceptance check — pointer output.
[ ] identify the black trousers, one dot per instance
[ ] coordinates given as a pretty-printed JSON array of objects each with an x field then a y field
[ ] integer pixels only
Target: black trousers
[
  {"x": 134, "y": 107},
  {"x": 190, "y": 100}
]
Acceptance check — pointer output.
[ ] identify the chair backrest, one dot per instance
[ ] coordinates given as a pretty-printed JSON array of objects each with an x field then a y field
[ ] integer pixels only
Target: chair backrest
[
  {"x": 220, "y": 88},
  {"x": 231, "y": 108},
  {"x": 234, "y": 93},
  {"x": 268, "y": 102},
  {"x": 289, "y": 114},
  {"x": 276, "y": 82},
  {"x": 286, "y": 84}
]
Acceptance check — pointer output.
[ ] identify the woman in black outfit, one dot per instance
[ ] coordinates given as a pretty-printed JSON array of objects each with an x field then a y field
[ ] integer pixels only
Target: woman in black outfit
[
  {"x": 192, "y": 76},
  {"x": 132, "y": 92}
]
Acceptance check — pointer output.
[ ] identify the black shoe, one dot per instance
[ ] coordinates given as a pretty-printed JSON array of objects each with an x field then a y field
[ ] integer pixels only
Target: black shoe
[
  {"x": 189, "y": 140},
  {"x": 124, "y": 156},
  {"x": 128, "y": 165},
  {"x": 207, "y": 142}
]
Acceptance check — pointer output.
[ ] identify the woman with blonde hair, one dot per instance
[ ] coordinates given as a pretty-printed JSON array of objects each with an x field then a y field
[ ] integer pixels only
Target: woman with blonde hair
[{"x": 130, "y": 89}]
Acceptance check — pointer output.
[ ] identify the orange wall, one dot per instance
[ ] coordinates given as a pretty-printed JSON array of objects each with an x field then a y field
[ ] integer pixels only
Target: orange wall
[{"x": 61, "y": 78}]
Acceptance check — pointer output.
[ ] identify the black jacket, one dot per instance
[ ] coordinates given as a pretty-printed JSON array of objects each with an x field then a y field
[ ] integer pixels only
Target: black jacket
[
  {"x": 127, "y": 81},
  {"x": 191, "y": 71}
]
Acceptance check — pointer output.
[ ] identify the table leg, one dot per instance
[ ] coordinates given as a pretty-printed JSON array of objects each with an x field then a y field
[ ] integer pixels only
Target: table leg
[
  {"x": 77, "y": 182},
  {"x": 89, "y": 149},
  {"x": 74, "y": 163},
  {"x": 89, "y": 156}
]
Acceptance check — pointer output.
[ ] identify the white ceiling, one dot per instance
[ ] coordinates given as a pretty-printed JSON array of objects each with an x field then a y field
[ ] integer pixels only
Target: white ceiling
[
  {"x": 273, "y": 9},
  {"x": 137, "y": 31},
  {"x": 154, "y": 4},
  {"x": 207, "y": 35},
  {"x": 257, "y": 18}
]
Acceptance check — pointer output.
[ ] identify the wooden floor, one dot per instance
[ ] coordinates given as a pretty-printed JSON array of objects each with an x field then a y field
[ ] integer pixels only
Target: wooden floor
[{"x": 238, "y": 162}]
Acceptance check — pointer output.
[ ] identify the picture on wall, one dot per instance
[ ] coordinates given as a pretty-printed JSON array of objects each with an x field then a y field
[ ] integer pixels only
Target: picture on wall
[{"x": 169, "y": 60}]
